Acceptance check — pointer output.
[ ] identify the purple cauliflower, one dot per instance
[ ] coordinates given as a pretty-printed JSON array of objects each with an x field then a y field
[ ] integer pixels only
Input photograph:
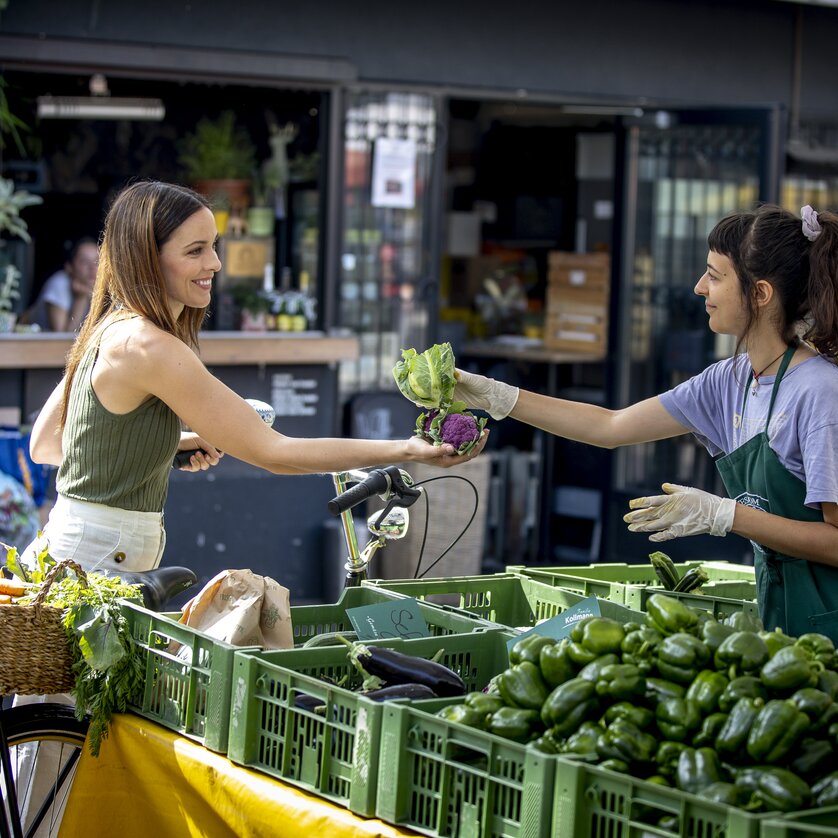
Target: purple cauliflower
[{"x": 455, "y": 426}]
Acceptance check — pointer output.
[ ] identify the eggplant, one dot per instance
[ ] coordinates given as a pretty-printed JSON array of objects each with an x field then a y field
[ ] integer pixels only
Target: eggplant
[
  {"x": 304, "y": 701},
  {"x": 412, "y": 691},
  {"x": 392, "y": 667}
]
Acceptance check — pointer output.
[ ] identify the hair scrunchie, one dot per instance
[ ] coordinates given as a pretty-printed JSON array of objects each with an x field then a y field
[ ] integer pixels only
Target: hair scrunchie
[{"x": 811, "y": 226}]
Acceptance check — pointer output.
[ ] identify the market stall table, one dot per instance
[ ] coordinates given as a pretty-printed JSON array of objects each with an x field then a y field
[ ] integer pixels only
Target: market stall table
[{"x": 150, "y": 781}]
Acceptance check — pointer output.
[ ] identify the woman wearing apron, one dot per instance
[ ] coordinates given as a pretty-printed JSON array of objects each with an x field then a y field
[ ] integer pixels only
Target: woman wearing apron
[{"x": 769, "y": 414}]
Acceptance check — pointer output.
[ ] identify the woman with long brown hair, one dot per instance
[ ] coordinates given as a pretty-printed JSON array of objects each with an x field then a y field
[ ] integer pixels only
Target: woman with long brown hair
[{"x": 133, "y": 377}]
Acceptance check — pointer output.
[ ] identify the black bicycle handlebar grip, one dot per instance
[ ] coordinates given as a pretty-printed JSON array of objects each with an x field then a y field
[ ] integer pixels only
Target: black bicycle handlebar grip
[
  {"x": 182, "y": 457},
  {"x": 376, "y": 482}
]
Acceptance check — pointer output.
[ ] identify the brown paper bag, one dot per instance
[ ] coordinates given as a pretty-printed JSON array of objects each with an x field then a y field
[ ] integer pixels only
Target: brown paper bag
[{"x": 244, "y": 609}]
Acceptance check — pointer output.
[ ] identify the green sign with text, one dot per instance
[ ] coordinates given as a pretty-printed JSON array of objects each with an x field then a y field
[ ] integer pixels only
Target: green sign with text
[{"x": 398, "y": 619}]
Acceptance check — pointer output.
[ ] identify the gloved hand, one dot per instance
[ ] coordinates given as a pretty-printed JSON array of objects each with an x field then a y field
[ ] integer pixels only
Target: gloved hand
[
  {"x": 477, "y": 391},
  {"x": 681, "y": 511}
]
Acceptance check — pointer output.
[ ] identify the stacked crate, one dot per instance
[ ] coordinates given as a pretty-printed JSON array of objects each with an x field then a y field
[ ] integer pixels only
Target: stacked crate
[{"x": 577, "y": 301}]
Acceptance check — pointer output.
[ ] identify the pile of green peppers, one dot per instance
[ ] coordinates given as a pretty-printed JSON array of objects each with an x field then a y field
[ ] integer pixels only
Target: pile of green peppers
[{"x": 722, "y": 709}]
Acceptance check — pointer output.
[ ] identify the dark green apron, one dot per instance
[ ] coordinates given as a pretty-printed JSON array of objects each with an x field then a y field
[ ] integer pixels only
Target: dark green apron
[{"x": 797, "y": 595}]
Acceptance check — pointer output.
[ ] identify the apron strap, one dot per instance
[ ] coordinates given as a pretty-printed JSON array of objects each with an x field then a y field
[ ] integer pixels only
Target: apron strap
[{"x": 787, "y": 356}]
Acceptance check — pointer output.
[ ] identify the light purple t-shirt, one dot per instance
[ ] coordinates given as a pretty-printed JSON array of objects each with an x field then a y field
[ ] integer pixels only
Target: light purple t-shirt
[{"x": 804, "y": 423}]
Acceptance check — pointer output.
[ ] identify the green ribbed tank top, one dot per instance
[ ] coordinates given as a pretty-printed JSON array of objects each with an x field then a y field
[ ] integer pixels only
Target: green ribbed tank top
[{"x": 120, "y": 460}]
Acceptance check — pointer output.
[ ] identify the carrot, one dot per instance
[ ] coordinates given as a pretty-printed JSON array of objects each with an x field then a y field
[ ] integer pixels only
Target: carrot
[{"x": 12, "y": 587}]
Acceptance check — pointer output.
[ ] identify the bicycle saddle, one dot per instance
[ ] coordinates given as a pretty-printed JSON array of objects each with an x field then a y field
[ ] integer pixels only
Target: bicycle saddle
[{"x": 158, "y": 586}]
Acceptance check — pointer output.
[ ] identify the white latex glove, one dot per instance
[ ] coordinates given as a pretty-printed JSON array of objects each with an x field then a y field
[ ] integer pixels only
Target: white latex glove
[
  {"x": 477, "y": 391},
  {"x": 681, "y": 511}
]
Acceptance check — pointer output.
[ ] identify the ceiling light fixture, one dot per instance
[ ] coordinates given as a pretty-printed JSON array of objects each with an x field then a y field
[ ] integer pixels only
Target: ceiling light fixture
[{"x": 100, "y": 107}]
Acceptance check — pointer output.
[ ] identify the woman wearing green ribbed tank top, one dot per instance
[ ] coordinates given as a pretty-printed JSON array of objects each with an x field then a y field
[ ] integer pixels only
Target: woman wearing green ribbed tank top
[{"x": 133, "y": 379}]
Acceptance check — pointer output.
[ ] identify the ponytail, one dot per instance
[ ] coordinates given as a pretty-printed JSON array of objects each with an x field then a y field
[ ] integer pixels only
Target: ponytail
[{"x": 822, "y": 286}]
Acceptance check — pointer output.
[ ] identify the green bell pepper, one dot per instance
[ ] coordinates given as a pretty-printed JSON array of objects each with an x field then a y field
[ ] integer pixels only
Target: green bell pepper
[
  {"x": 657, "y": 689},
  {"x": 775, "y": 731},
  {"x": 464, "y": 715},
  {"x": 828, "y": 683},
  {"x": 742, "y": 653},
  {"x": 727, "y": 793},
  {"x": 642, "y": 717},
  {"x": 680, "y": 656},
  {"x": 599, "y": 635},
  {"x": 669, "y": 615},
  {"x": 618, "y": 765},
  {"x": 583, "y": 741},
  {"x": 555, "y": 663},
  {"x": 776, "y": 640},
  {"x": 745, "y": 686},
  {"x": 814, "y": 703},
  {"x": 707, "y": 689},
  {"x": 812, "y": 758},
  {"x": 625, "y": 741},
  {"x": 620, "y": 682},
  {"x": 821, "y": 647},
  {"x": 677, "y": 718},
  {"x": 484, "y": 702},
  {"x": 713, "y": 633},
  {"x": 792, "y": 668},
  {"x": 780, "y": 789},
  {"x": 592, "y": 671},
  {"x": 638, "y": 648},
  {"x": 697, "y": 769},
  {"x": 528, "y": 648},
  {"x": 667, "y": 757},
  {"x": 826, "y": 790},
  {"x": 569, "y": 705},
  {"x": 522, "y": 686},
  {"x": 709, "y": 731},
  {"x": 742, "y": 621},
  {"x": 734, "y": 734},
  {"x": 515, "y": 723}
]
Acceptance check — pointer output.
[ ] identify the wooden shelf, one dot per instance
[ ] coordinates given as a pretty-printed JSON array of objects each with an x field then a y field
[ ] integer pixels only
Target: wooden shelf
[{"x": 49, "y": 351}]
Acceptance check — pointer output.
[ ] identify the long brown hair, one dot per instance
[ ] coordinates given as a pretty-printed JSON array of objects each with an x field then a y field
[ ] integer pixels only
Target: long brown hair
[
  {"x": 769, "y": 244},
  {"x": 129, "y": 280}
]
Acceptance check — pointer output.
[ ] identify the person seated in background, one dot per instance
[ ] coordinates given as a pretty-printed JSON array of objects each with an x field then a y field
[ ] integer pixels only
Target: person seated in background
[{"x": 65, "y": 298}]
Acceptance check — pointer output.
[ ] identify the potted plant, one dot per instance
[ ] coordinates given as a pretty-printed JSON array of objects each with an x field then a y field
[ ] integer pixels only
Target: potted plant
[
  {"x": 219, "y": 158},
  {"x": 261, "y": 216},
  {"x": 12, "y": 226},
  {"x": 254, "y": 308}
]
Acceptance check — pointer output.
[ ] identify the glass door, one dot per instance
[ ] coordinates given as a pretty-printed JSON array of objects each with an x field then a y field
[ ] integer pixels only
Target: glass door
[
  {"x": 387, "y": 288},
  {"x": 684, "y": 170}
]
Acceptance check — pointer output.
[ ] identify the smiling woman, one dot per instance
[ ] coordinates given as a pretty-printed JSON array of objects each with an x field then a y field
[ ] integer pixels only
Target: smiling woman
[{"x": 113, "y": 424}]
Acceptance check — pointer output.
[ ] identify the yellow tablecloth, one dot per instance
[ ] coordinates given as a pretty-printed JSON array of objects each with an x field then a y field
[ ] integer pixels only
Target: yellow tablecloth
[{"x": 150, "y": 781}]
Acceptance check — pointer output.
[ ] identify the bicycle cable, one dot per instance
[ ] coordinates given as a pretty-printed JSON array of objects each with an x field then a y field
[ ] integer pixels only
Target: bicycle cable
[{"x": 416, "y": 574}]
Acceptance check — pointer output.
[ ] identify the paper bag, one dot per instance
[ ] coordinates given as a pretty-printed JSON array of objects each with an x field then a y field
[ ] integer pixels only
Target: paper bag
[{"x": 244, "y": 609}]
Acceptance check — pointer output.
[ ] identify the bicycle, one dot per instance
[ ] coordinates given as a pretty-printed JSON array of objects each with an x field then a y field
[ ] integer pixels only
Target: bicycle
[{"x": 28, "y": 730}]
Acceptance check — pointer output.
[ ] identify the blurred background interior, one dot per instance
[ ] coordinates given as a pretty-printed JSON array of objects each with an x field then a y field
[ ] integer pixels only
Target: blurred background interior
[{"x": 534, "y": 185}]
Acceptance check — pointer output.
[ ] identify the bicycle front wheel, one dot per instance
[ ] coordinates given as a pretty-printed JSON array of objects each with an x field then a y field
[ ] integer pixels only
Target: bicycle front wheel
[{"x": 45, "y": 742}]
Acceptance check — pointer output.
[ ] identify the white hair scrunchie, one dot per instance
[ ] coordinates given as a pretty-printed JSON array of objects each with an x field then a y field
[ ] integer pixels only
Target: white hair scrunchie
[{"x": 811, "y": 227}]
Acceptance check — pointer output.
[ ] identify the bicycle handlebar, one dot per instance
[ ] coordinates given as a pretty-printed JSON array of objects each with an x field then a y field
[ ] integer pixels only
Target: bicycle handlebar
[{"x": 387, "y": 482}]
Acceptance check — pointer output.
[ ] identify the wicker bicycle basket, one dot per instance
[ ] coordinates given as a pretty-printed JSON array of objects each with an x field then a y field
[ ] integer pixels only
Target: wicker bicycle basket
[{"x": 37, "y": 658}]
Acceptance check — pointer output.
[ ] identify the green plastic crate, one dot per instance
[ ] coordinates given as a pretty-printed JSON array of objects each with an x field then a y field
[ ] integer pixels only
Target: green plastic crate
[
  {"x": 187, "y": 691},
  {"x": 732, "y": 587},
  {"x": 334, "y": 754},
  {"x": 597, "y": 803},
  {"x": 445, "y": 779},
  {"x": 813, "y": 823},
  {"x": 311, "y": 621},
  {"x": 505, "y": 599}
]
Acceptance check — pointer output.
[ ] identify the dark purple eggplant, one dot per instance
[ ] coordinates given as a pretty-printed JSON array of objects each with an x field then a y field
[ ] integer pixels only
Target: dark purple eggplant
[
  {"x": 392, "y": 667},
  {"x": 304, "y": 701},
  {"x": 412, "y": 691}
]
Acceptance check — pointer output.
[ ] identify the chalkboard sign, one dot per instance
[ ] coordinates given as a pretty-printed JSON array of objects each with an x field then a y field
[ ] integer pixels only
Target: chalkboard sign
[{"x": 396, "y": 620}]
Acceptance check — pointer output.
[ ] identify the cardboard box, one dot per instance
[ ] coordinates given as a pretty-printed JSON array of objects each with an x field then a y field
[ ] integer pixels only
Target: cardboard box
[
  {"x": 576, "y": 320},
  {"x": 579, "y": 270}
]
